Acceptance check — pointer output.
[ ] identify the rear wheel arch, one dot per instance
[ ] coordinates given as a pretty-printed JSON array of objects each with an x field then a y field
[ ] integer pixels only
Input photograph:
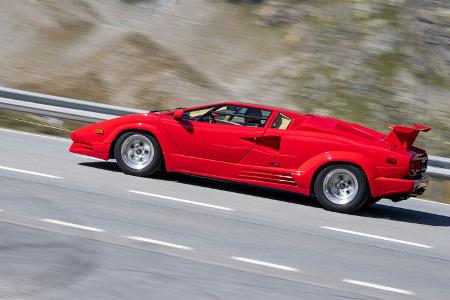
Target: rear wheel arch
[{"x": 314, "y": 165}]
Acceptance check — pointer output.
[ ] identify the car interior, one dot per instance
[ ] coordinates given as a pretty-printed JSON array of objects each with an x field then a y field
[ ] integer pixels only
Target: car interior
[{"x": 230, "y": 115}]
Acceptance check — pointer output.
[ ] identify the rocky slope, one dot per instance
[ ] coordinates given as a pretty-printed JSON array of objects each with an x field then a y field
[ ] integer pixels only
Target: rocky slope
[{"x": 374, "y": 62}]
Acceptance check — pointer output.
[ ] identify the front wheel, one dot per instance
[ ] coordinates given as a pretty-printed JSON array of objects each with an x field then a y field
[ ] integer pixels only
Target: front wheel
[
  {"x": 138, "y": 154},
  {"x": 342, "y": 188}
]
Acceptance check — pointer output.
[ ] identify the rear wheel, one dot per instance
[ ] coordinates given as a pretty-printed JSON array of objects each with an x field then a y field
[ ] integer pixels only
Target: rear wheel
[
  {"x": 342, "y": 188},
  {"x": 371, "y": 201},
  {"x": 138, "y": 154}
]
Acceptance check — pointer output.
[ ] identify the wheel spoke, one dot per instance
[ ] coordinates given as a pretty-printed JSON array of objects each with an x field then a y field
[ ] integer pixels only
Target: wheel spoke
[
  {"x": 340, "y": 186},
  {"x": 137, "y": 152}
]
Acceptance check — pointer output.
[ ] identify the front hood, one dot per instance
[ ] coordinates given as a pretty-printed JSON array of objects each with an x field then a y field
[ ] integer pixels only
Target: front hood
[
  {"x": 98, "y": 131},
  {"x": 337, "y": 127}
]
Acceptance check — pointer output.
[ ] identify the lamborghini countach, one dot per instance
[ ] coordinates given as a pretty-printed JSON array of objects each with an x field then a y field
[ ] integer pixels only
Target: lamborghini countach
[{"x": 344, "y": 165}]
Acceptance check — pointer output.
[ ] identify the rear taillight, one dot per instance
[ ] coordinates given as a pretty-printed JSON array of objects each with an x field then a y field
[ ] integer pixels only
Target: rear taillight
[{"x": 418, "y": 164}]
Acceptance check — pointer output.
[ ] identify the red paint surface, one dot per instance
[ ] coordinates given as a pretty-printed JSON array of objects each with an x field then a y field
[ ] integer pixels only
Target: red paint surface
[{"x": 285, "y": 159}]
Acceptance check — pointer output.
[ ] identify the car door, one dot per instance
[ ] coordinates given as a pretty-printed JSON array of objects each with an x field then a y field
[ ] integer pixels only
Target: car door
[
  {"x": 227, "y": 138},
  {"x": 271, "y": 149}
]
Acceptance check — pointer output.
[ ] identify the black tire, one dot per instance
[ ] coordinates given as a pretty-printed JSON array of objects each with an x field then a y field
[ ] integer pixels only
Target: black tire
[
  {"x": 370, "y": 202},
  {"x": 154, "y": 163},
  {"x": 330, "y": 201}
]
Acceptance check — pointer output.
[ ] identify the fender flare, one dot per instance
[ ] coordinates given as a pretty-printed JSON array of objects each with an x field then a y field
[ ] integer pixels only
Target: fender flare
[
  {"x": 161, "y": 136},
  {"x": 310, "y": 168}
]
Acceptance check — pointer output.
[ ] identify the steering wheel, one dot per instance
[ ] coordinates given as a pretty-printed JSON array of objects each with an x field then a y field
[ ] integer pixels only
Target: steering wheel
[{"x": 211, "y": 118}]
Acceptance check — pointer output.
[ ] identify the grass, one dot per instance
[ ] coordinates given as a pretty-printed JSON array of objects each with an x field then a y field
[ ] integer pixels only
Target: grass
[
  {"x": 438, "y": 189},
  {"x": 432, "y": 78},
  {"x": 391, "y": 14},
  {"x": 67, "y": 32},
  {"x": 31, "y": 123},
  {"x": 141, "y": 60},
  {"x": 387, "y": 64}
]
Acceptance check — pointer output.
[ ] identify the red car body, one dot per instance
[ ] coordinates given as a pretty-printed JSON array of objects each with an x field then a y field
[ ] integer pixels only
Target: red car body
[{"x": 287, "y": 159}]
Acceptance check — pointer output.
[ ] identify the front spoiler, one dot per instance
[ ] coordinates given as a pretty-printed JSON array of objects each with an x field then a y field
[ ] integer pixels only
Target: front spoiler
[{"x": 98, "y": 150}]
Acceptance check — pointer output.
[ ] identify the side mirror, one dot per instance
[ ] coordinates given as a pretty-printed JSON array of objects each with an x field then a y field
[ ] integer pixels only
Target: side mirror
[{"x": 178, "y": 114}]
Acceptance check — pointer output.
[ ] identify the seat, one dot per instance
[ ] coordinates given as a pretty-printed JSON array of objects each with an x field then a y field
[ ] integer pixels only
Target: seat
[{"x": 252, "y": 117}]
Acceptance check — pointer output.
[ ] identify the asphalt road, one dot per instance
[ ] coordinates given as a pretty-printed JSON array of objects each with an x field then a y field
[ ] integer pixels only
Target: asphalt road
[{"x": 77, "y": 228}]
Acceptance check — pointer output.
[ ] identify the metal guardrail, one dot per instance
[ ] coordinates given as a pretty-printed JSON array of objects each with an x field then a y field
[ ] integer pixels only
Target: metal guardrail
[
  {"x": 439, "y": 162},
  {"x": 79, "y": 110},
  {"x": 439, "y": 167},
  {"x": 60, "y": 107}
]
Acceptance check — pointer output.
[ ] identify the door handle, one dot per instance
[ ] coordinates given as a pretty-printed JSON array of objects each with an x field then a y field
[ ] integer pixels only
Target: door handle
[{"x": 250, "y": 139}]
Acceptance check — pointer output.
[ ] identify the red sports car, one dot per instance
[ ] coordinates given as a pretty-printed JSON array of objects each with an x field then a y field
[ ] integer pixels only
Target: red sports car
[{"x": 345, "y": 165}]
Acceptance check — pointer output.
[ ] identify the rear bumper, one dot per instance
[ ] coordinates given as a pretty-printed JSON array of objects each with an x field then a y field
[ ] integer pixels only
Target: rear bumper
[
  {"x": 98, "y": 150},
  {"x": 398, "y": 188}
]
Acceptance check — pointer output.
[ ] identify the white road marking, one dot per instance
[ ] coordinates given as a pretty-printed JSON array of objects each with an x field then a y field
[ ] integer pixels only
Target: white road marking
[
  {"x": 263, "y": 263},
  {"x": 72, "y": 225},
  {"x": 376, "y": 237},
  {"x": 29, "y": 172},
  {"x": 36, "y": 135},
  {"x": 142, "y": 239},
  {"x": 88, "y": 157},
  {"x": 428, "y": 201},
  {"x": 377, "y": 286},
  {"x": 181, "y": 200}
]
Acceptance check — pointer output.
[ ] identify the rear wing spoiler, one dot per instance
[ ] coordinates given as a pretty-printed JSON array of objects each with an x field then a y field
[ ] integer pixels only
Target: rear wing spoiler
[{"x": 402, "y": 137}]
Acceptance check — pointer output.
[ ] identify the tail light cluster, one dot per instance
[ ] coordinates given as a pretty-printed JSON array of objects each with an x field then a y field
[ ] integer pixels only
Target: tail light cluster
[{"x": 418, "y": 164}]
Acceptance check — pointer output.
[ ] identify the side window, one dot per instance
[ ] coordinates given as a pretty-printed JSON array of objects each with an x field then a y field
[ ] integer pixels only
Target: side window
[
  {"x": 196, "y": 114},
  {"x": 281, "y": 122},
  {"x": 240, "y": 115},
  {"x": 228, "y": 114}
]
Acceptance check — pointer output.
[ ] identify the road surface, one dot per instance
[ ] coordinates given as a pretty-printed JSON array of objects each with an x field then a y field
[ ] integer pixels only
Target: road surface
[{"x": 72, "y": 227}]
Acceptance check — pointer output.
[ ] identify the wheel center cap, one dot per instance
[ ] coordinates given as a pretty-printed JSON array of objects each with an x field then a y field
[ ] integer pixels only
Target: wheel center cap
[{"x": 342, "y": 186}]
